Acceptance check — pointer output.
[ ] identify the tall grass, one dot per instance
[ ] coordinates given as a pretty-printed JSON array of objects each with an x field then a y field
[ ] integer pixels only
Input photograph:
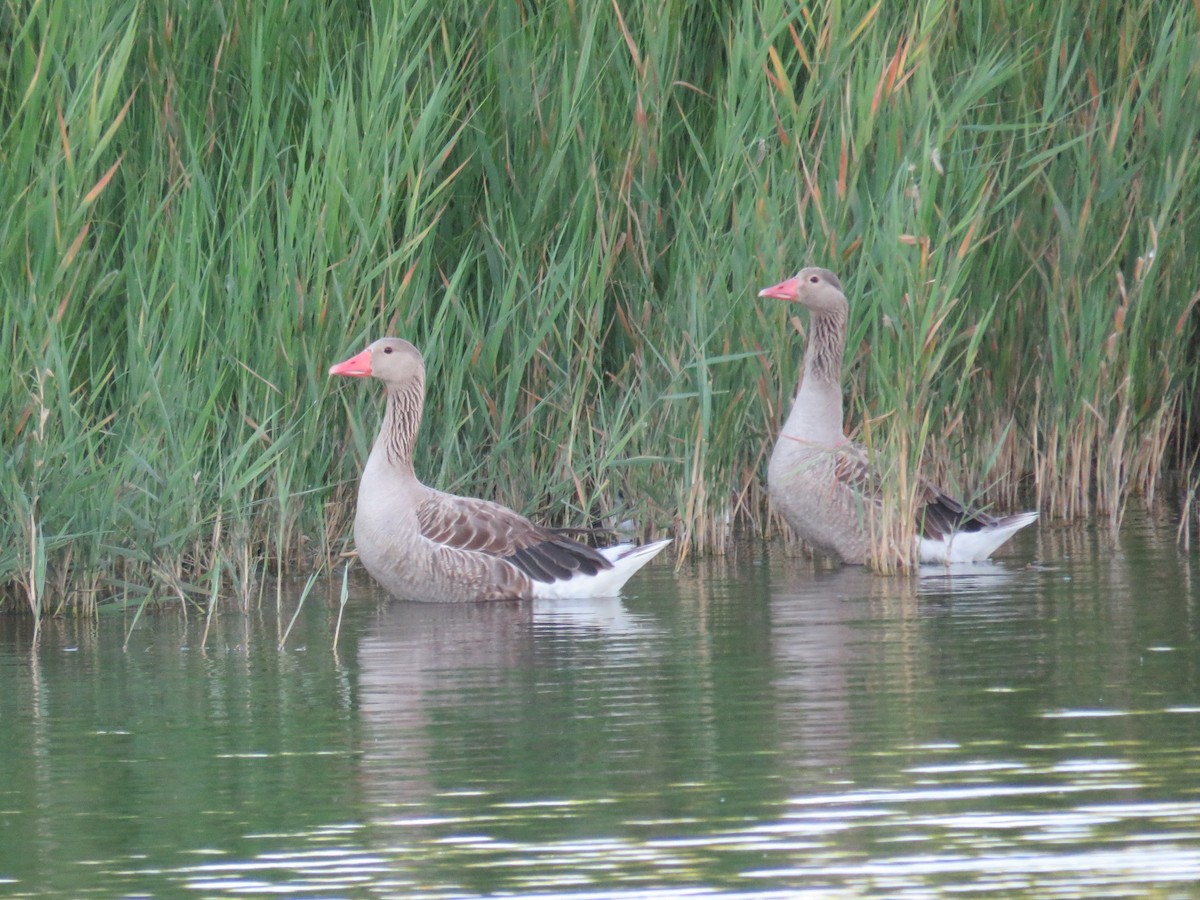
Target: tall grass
[{"x": 569, "y": 207}]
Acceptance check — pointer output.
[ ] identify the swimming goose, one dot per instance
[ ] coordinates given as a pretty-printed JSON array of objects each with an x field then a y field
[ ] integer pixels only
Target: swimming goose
[
  {"x": 822, "y": 482},
  {"x": 426, "y": 545}
]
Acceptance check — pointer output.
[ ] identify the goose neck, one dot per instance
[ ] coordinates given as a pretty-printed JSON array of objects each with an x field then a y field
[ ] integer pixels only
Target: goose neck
[{"x": 401, "y": 421}]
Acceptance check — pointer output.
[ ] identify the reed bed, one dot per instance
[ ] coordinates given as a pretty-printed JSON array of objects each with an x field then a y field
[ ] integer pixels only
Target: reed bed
[{"x": 570, "y": 207}]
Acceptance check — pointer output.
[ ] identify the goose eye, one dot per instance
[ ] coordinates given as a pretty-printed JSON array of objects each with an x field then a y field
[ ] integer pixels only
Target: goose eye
[
  {"x": 387, "y": 349},
  {"x": 813, "y": 279}
]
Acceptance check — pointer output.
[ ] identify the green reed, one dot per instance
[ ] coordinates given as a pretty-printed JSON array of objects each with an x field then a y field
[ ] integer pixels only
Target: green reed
[{"x": 570, "y": 208}]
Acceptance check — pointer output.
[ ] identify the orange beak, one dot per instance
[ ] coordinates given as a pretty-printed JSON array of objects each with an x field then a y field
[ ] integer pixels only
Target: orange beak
[
  {"x": 356, "y": 366},
  {"x": 785, "y": 290}
]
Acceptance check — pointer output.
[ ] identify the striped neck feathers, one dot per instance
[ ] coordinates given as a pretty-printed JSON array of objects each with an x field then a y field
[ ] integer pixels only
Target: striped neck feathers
[
  {"x": 401, "y": 421},
  {"x": 826, "y": 344},
  {"x": 817, "y": 413}
]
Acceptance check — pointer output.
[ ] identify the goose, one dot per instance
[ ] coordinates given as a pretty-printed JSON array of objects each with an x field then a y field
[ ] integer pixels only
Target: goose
[
  {"x": 823, "y": 483},
  {"x": 426, "y": 545}
]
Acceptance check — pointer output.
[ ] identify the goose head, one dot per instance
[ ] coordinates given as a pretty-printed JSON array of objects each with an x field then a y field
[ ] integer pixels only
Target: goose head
[
  {"x": 393, "y": 361},
  {"x": 817, "y": 289}
]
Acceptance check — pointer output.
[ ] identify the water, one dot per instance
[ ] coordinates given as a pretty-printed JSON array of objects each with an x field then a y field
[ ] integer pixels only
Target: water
[{"x": 751, "y": 729}]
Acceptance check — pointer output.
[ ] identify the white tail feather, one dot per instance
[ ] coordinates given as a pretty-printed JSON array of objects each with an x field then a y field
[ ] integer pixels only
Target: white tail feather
[
  {"x": 626, "y": 560},
  {"x": 973, "y": 546}
]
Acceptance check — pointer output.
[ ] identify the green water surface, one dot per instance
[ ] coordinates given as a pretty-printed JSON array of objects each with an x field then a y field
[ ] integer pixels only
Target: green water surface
[{"x": 751, "y": 728}]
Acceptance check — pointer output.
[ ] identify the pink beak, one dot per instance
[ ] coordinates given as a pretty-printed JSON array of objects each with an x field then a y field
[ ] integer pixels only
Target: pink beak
[
  {"x": 356, "y": 366},
  {"x": 785, "y": 290}
]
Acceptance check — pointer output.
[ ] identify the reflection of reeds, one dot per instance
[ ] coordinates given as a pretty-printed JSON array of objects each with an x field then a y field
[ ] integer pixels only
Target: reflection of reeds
[{"x": 568, "y": 208}]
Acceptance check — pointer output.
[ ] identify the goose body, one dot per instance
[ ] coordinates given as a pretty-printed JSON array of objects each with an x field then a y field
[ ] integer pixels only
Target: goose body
[
  {"x": 427, "y": 545},
  {"x": 823, "y": 484}
]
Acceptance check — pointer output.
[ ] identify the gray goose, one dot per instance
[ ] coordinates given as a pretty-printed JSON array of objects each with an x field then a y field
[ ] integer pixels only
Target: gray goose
[
  {"x": 822, "y": 482},
  {"x": 426, "y": 545}
]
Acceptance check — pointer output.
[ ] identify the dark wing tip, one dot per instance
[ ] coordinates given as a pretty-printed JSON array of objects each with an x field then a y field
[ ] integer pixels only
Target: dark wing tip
[
  {"x": 557, "y": 558},
  {"x": 942, "y": 515}
]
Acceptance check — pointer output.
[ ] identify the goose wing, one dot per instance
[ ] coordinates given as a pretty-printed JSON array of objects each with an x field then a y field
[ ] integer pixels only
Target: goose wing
[
  {"x": 938, "y": 514},
  {"x": 480, "y": 526}
]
